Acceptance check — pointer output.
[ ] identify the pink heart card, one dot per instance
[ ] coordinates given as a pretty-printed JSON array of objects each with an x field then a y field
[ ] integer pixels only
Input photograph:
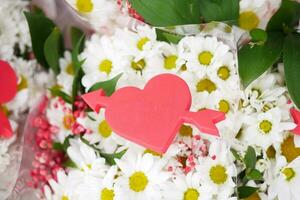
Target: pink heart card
[{"x": 152, "y": 117}]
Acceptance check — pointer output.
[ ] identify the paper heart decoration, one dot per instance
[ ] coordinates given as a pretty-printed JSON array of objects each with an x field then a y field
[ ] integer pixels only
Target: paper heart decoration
[
  {"x": 8, "y": 90},
  {"x": 151, "y": 117},
  {"x": 296, "y": 116}
]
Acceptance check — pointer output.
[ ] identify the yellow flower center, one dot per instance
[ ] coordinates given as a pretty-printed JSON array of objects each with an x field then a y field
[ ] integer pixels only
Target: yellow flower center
[
  {"x": 248, "y": 20},
  {"x": 271, "y": 152},
  {"x": 23, "y": 83},
  {"x": 253, "y": 196},
  {"x": 152, "y": 152},
  {"x": 138, "y": 181},
  {"x": 218, "y": 174},
  {"x": 68, "y": 121},
  {"x": 5, "y": 110},
  {"x": 288, "y": 149},
  {"x": 224, "y": 106},
  {"x": 139, "y": 65},
  {"x": 186, "y": 131},
  {"x": 64, "y": 198},
  {"x": 191, "y": 194},
  {"x": 105, "y": 66},
  {"x": 289, "y": 173},
  {"x": 104, "y": 129},
  {"x": 107, "y": 194},
  {"x": 170, "y": 62},
  {"x": 223, "y": 73},
  {"x": 205, "y": 58},
  {"x": 141, "y": 43},
  {"x": 265, "y": 126},
  {"x": 85, "y": 6},
  {"x": 206, "y": 85},
  {"x": 70, "y": 69}
]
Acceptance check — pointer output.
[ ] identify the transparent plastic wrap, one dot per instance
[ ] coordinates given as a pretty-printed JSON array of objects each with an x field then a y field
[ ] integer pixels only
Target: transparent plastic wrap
[{"x": 24, "y": 189}]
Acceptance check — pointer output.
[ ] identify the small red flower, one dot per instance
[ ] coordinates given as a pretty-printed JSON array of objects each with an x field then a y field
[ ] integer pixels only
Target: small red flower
[{"x": 8, "y": 90}]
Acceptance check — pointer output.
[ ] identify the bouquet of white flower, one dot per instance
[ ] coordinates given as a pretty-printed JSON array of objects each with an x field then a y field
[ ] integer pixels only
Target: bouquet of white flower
[{"x": 75, "y": 150}]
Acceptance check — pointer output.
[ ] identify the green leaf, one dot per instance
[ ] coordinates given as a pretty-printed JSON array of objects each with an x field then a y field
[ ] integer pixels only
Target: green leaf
[
  {"x": 58, "y": 146},
  {"x": 108, "y": 86},
  {"x": 77, "y": 67},
  {"x": 40, "y": 28},
  {"x": 169, "y": 37},
  {"x": 258, "y": 35},
  {"x": 255, "y": 59},
  {"x": 287, "y": 17},
  {"x": 220, "y": 10},
  {"x": 168, "y": 12},
  {"x": 254, "y": 174},
  {"x": 291, "y": 59},
  {"x": 53, "y": 50},
  {"x": 56, "y": 92},
  {"x": 246, "y": 191},
  {"x": 76, "y": 35},
  {"x": 69, "y": 163},
  {"x": 250, "y": 158},
  {"x": 235, "y": 154},
  {"x": 110, "y": 158}
]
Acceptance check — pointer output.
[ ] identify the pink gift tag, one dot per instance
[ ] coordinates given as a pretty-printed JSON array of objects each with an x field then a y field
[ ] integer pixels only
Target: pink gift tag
[
  {"x": 151, "y": 117},
  {"x": 8, "y": 82},
  {"x": 5, "y": 128},
  {"x": 296, "y": 116},
  {"x": 8, "y": 90}
]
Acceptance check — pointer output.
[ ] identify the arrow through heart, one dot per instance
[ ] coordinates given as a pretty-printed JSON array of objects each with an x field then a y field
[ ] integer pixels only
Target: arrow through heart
[{"x": 152, "y": 117}]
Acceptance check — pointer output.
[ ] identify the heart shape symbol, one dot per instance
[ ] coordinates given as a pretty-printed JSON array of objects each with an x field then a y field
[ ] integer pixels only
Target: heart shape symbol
[
  {"x": 151, "y": 117},
  {"x": 8, "y": 89}
]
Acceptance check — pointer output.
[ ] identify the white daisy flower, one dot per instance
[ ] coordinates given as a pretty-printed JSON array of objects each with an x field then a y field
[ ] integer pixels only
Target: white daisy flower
[
  {"x": 61, "y": 116},
  {"x": 202, "y": 54},
  {"x": 217, "y": 170},
  {"x": 256, "y": 13},
  {"x": 188, "y": 187},
  {"x": 14, "y": 29},
  {"x": 60, "y": 189},
  {"x": 102, "y": 135},
  {"x": 264, "y": 94},
  {"x": 101, "y": 14},
  {"x": 141, "y": 176},
  {"x": 85, "y": 157},
  {"x": 264, "y": 129},
  {"x": 66, "y": 76},
  {"x": 286, "y": 185},
  {"x": 101, "y": 61}
]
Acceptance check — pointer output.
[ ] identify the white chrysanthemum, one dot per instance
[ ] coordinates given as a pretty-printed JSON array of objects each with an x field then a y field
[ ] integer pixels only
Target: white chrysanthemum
[
  {"x": 28, "y": 90},
  {"x": 141, "y": 176},
  {"x": 60, "y": 115},
  {"x": 256, "y": 13},
  {"x": 188, "y": 187},
  {"x": 202, "y": 54},
  {"x": 102, "y": 135},
  {"x": 85, "y": 157},
  {"x": 4, "y": 155},
  {"x": 217, "y": 170},
  {"x": 287, "y": 184},
  {"x": 264, "y": 94},
  {"x": 14, "y": 29},
  {"x": 103, "y": 15},
  {"x": 66, "y": 76},
  {"x": 264, "y": 129},
  {"x": 102, "y": 60},
  {"x": 60, "y": 189}
]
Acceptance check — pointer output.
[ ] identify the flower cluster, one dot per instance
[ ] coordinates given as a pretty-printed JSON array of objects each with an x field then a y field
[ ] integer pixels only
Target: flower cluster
[{"x": 106, "y": 166}]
